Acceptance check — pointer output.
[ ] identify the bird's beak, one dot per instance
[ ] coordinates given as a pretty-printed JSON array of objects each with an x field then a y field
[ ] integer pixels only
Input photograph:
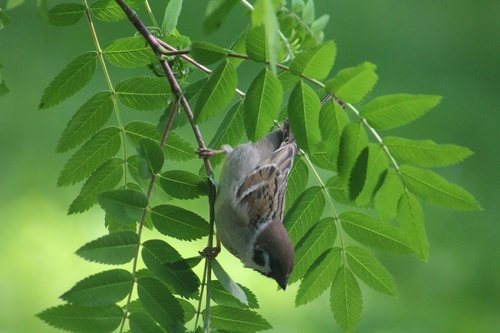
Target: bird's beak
[{"x": 283, "y": 283}]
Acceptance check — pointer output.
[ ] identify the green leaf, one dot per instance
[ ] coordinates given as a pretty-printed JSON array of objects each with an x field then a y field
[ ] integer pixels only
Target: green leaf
[
  {"x": 386, "y": 199},
  {"x": 83, "y": 319},
  {"x": 171, "y": 16},
  {"x": 136, "y": 131},
  {"x": 110, "y": 11},
  {"x": 320, "y": 238},
  {"x": 336, "y": 190},
  {"x": 345, "y": 300},
  {"x": 66, "y": 14},
  {"x": 105, "y": 288},
  {"x": 357, "y": 178},
  {"x": 217, "y": 92},
  {"x": 178, "y": 222},
  {"x": 160, "y": 304},
  {"x": 140, "y": 322},
  {"x": 332, "y": 120},
  {"x": 436, "y": 190},
  {"x": 370, "y": 270},
  {"x": 237, "y": 320},
  {"x": 316, "y": 62},
  {"x": 425, "y": 153},
  {"x": 229, "y": 132},
  {"x": 144, "y": 93},
  {"x": 129, "y": 52},
  {"x": 303, "y": 113},
  {"x": 221, "y": 296},
  {"x": 70, "y": 80},
  {"x": 177, "y": 148},
  {"x": 262, "y": 103},
  {"x": 89, "y": 118},
  {"x": 207, "y": 53},
  {"x": 308, "y": 12},
  {"x": 126, "y": 206},
  {"x": 304, "y": 213},
  {"x": 183, "y": 184},
  {"x": 297, "y": 181},
  {"x": 158, "y": 256},
  {"x": 351, "y": 85},
  {"x": 411, "y": 219},
  {"x": 375, "y": 173},
  {"x": 319, "y": 277},
  {"x": 97, "y": 150},
  {"x": 150, "y": 158},
  {"x": 264, "y": 13},
  {"x": 227, "y": 282},
  {"x": 114, "y": 249},
  {"x": 352, "y": 144},
  {"x": 374, "y": 233},
  {"x": 255, "y": 44},
  {"x": 105, "y": 178},
  {"x": 287, "y": 79},
  {"x": 395, "y": 110},
  {"x": 216, "y": 13},
  {"x": 319, "y": 24}
]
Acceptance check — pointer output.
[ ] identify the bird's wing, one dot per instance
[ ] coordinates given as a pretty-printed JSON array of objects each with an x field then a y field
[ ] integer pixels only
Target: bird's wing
[{"x": 262, "y": 193}]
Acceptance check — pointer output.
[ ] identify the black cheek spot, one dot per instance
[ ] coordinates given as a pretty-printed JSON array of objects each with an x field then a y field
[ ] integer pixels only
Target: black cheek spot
[{"x": 258, "y": 257}]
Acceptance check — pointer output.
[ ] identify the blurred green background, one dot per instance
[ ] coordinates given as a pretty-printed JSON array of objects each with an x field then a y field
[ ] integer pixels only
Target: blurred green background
[{"x": 450, "y": 48}]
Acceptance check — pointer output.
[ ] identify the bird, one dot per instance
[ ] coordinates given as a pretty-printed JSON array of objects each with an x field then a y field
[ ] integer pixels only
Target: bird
[{"x": 250, "y": 203}]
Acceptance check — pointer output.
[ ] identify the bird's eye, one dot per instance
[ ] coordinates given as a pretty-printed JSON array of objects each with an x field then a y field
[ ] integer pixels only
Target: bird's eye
[{"x": 259, "y": 257}]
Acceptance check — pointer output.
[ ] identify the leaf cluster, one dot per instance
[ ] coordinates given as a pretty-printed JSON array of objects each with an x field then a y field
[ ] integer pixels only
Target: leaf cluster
[{"x": 126, "y": 168}]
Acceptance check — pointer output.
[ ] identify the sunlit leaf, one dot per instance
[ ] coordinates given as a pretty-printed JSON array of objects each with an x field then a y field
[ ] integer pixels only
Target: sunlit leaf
[
  {"x": 315, "y": 62},
  {"x": 319, "y": 277},
  {"x": 374, "y": 233},
  {"x": 345, "y": 300},
  {"x": 217, "y": 92},
  {"x": 435, "y": 189},
  {"x": 303, "y": 112},
  {"x": 110, "y": 11},
  {"x": 386, "y": 199},
  {"x": 425, "y": 153},
  {"x": 370, "y": 270},
  {"x": 320, "y": 238},
  {"x": 395, "y": 110},
  {"x": 264, "y": 14},
  {"x": 297, "y": 181},
  {"x": 97, "y": 150},
  {"x": 351, "y": 85},
  {"x": 262, "y": 103},
  {"x": 105, "y": 288},
  {"x": 352, "y": 144},
  {"x": 304, "y": 213},
  {"x": 70, "y": 80},
  {"x": 375, "y": 173},
  {"x": 411, "y": 219},
  {"x": 229, "y": 132}
]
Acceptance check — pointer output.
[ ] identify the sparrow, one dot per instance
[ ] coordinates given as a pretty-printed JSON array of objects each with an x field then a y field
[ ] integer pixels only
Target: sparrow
[{"x": 250, "y": 203}]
